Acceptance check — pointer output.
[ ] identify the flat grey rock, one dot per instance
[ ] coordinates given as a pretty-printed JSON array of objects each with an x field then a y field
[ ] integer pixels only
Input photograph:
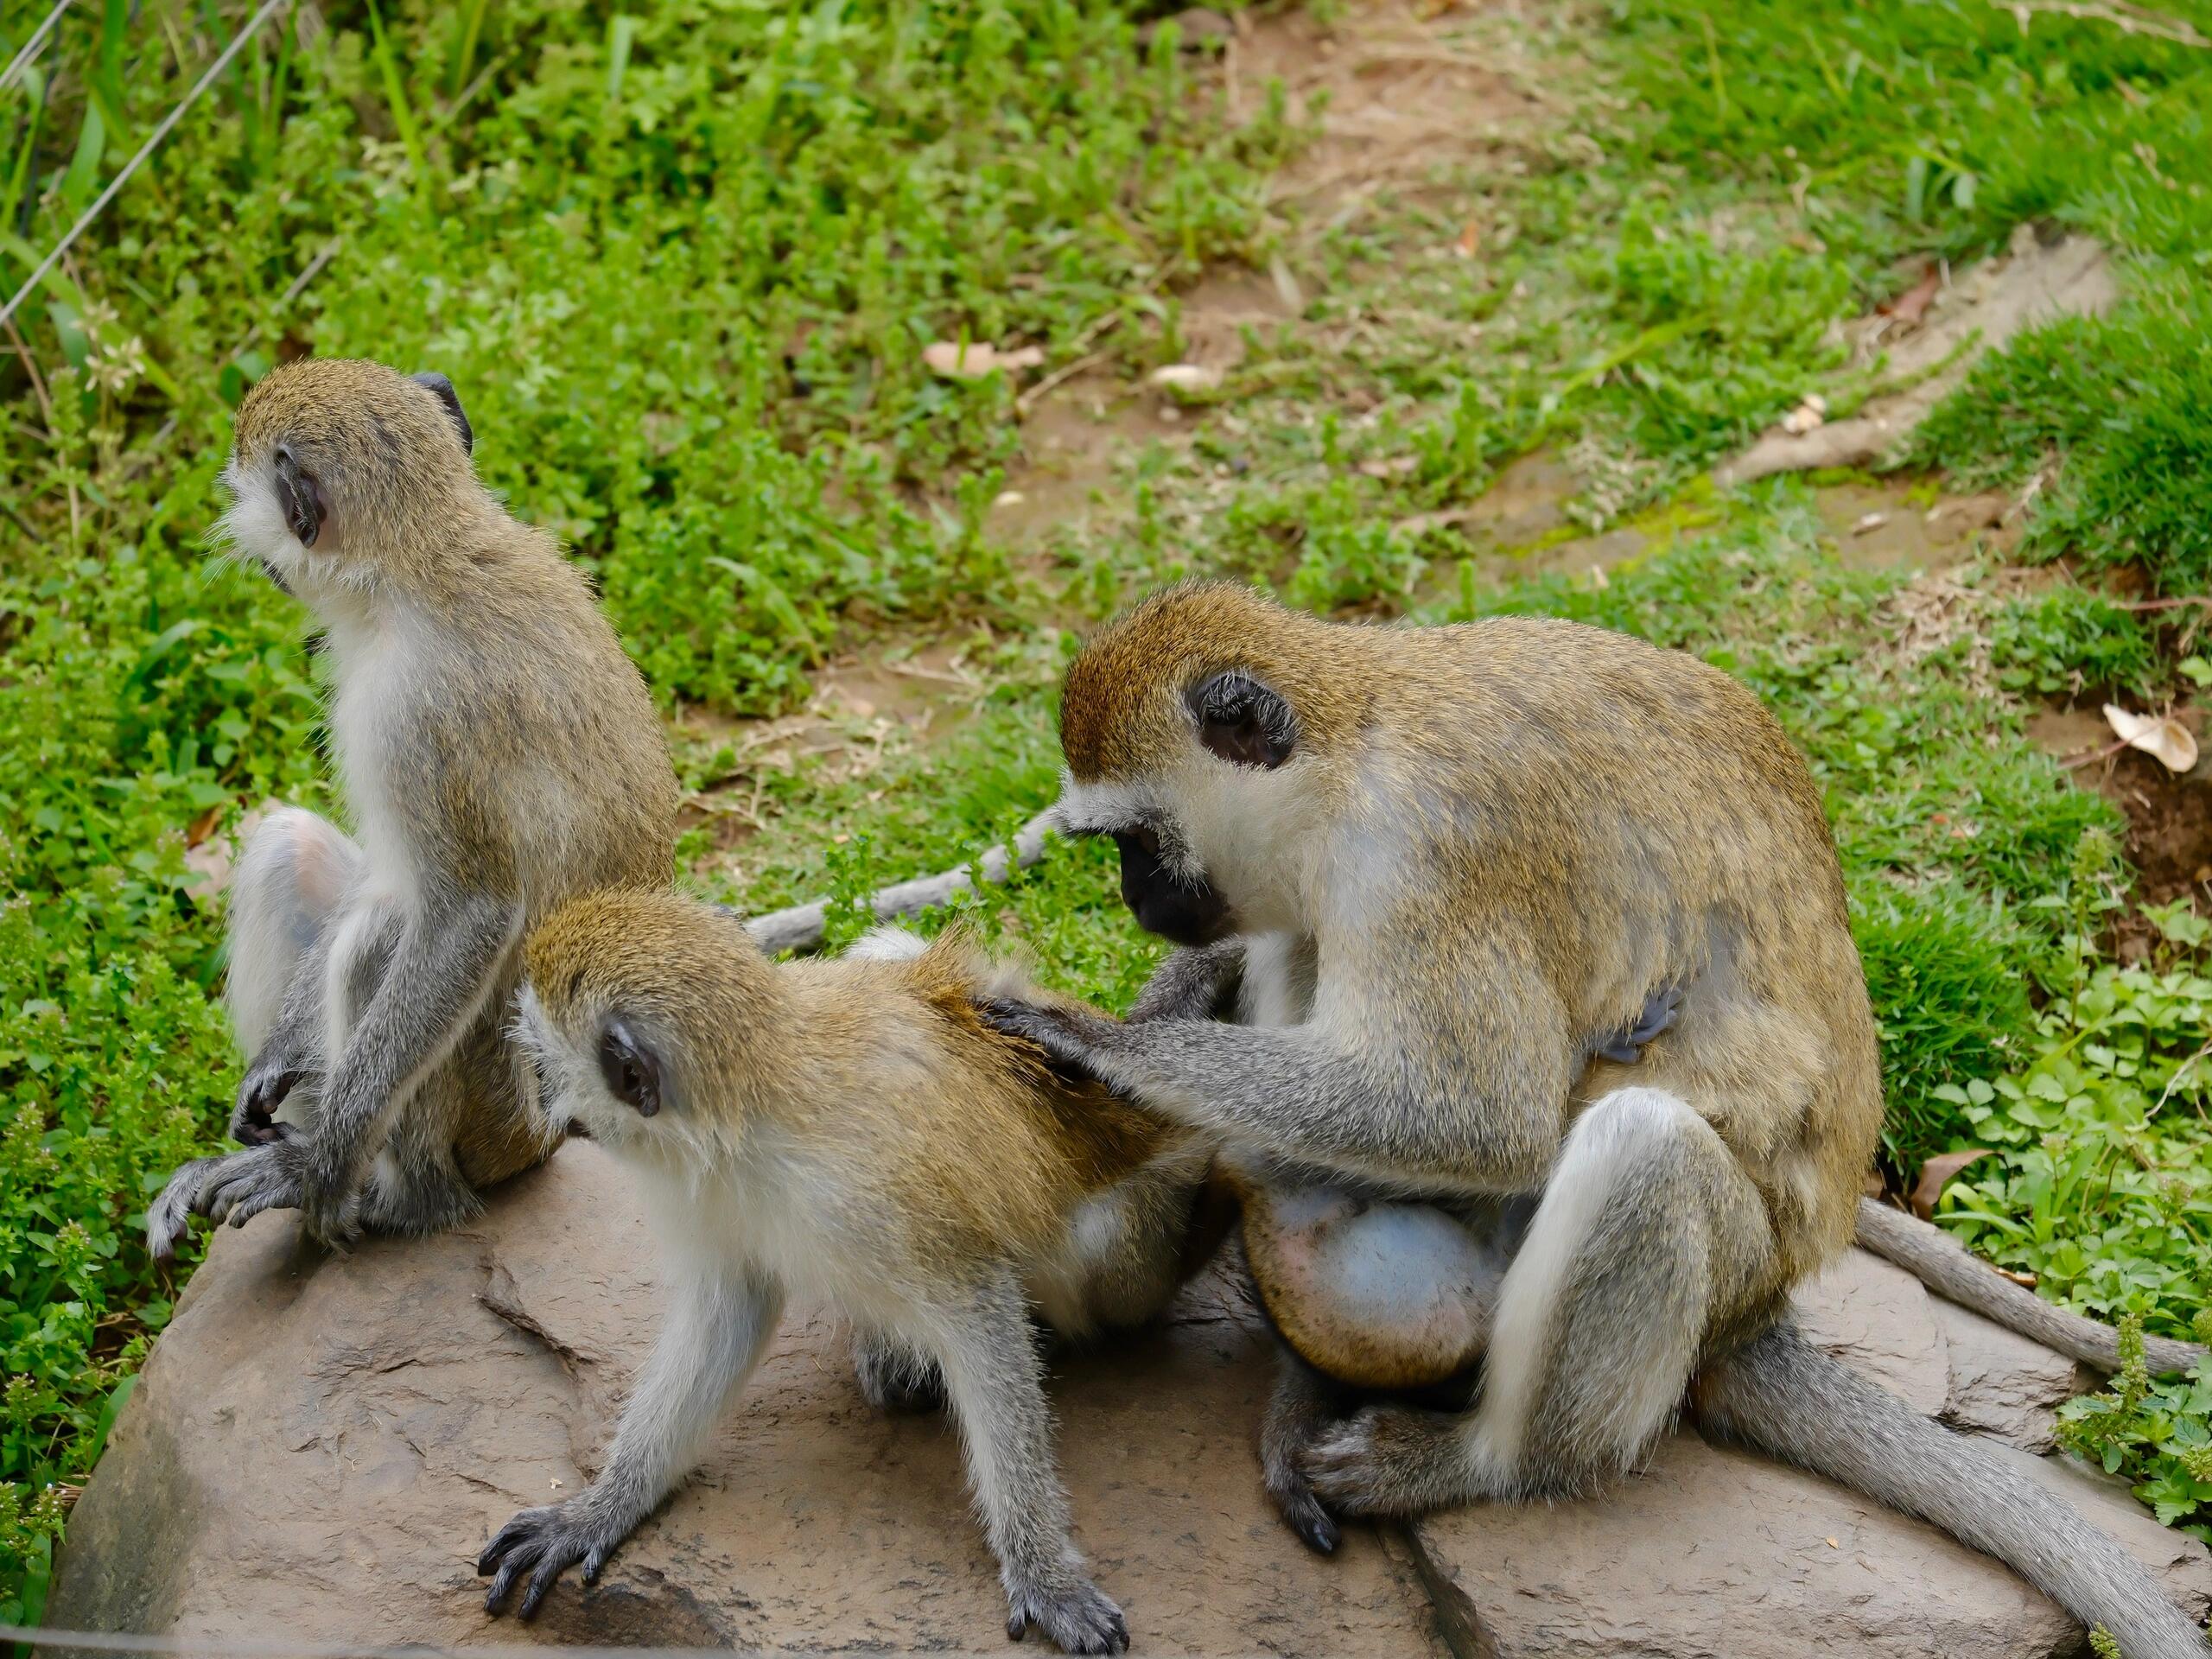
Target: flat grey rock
[{"x": 319, "y": 1446}]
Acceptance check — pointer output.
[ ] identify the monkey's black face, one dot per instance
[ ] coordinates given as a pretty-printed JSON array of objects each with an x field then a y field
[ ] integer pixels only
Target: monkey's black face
[{"x": 1163, "y": 901}]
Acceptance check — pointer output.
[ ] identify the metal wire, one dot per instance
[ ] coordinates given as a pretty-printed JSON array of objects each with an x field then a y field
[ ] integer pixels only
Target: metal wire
[
  {"x": 16, "y": 63},
  {"x": 268, "y": 7}
]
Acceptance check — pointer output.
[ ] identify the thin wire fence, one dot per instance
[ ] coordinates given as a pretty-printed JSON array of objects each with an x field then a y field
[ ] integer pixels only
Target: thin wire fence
[
  {"x": 30, "y": 47},
  {"x": 152, "y": 142}
]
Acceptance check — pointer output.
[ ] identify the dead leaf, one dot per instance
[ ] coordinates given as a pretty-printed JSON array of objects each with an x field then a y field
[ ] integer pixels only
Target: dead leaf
[
  {"x": 202, "y": 827},
  {"x": 2166, "y": 740},
  {"x": 1871, "y": 521},
  {"x": 1470, "y": 242},
  {"x": 1910, "y": 306},
  {"x": 1937, "y": 1173},
  {"x": 976, "y": 359},
  {"x": 1186, "y": 377}
]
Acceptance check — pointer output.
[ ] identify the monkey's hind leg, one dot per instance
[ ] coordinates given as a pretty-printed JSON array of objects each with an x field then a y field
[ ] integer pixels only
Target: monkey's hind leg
[
  {"x": 1649, "y": 1234},
  {"x": 416, "y": 1185},
  {"x": 997, "y": 1383},
  {"x": 291, "y": 876}
]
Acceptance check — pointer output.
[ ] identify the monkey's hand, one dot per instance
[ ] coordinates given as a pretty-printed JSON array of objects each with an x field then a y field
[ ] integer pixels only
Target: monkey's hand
[
  {"x": 268, "y": 1082},
  {"x": 545, "y": 1543},
  {"x": 1070, "y": 1035},
  {"x": 1658, "y": 1015},
  {"x": 1387, "y": 1460}
]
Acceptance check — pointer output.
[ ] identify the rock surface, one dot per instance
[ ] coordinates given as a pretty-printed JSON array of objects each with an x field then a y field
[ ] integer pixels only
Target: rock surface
[{"x": 319, "y": 1446}]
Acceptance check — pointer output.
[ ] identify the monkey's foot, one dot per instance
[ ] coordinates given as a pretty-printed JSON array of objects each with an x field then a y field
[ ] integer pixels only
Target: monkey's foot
[
  {"x": 892, "y": 1381},
  {"x": 246, "y": 1182},
  {"x": 545, "y": 1543},
  {"x": 1079, "y": 1617},
  {"x": 329, "y": 1192},
  {"x": 1304, "y": 1514},
  {"x": 1388, "y": 1461},
  {"x": 168, "y": 1218}
]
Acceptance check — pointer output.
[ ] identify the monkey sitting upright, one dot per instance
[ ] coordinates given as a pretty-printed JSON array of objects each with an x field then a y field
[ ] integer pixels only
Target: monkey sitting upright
[
  {"x": 1449, "y": 856},
  {"x": 818, "y": 1127},
  {"x": 498, "y": 751}
]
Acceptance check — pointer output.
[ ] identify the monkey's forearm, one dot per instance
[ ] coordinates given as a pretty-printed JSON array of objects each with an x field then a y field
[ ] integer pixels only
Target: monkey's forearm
[
  {"x": 1287, "y": 1090},
  {"x": 715, "y": 1330},
  {"x": 433, "y": 984}
]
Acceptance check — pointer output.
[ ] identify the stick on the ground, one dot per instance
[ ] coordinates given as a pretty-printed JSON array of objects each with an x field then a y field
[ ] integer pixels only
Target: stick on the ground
[{"x": 800, "y": 928}]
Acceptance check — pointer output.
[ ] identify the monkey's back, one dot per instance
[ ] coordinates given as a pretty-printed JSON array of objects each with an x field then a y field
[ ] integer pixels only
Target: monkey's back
[
  {"x": 972, "y": 1134},
  {"x": 537, "y": 767},
  {"x": 1655, "y": 826}
]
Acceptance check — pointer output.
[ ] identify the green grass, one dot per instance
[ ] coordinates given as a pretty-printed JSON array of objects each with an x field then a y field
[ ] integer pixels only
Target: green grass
[{"x": 682, "y": 265}]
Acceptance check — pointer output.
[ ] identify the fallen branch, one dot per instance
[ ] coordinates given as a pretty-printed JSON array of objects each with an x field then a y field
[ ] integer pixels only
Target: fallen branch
[
  {"x": 2127, "y": 18},
  {"x": 801, "y": 927}
]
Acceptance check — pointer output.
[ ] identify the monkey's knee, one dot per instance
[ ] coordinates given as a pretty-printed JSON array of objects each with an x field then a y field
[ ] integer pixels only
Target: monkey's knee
[
  {"x": 291, "y": 876},
  {"x": 1646, "y": 1227}
]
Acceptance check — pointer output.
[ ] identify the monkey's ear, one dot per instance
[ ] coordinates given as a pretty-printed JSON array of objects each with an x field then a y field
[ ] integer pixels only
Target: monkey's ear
[
  {"x": 300, "y": 497},
  {"x": 451, "y": 399},
  {"x": 1244, "y": 722},
  {"x": 632, "y": 1069}
]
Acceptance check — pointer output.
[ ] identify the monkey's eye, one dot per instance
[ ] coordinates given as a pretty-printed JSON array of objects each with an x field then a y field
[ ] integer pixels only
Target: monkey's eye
[{"x": 632, "y": 1073}]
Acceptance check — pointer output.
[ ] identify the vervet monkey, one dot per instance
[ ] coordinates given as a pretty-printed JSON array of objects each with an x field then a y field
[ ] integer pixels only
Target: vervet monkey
[
  {"x": 1453, "y": 855},
  {"x": 818, "y": 1127},
  {"x": 496, "y": 751}
]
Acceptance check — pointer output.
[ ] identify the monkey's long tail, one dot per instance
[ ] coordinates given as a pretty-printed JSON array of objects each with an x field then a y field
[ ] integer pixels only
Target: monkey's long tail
[
  {"x": 1940, "y": 1263},
  {"x": 1780, "y": 1395}
]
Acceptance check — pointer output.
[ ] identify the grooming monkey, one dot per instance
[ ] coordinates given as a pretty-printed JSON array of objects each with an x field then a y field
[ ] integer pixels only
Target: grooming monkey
[
  {"x": 1451, "y": 855},
  {"x": 819, "y": 1128},
  {"x": 497, "y": 751}
]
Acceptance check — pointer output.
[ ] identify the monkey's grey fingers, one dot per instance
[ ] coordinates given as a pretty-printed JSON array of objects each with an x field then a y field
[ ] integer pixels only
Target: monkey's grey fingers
[
  {"x": 526, "y": 1524},
  {"x": 1657, "y": 1016},
  {"x": 169, "y": 1216},
  {"x": 253, "y": 1119},
  {"x": 1385, "y": 1461},
  {"x": 1080, "y": 1617},
  {"x": 1050, "y": 1029},
  {"x": 259, "y": 1178},
  {"x": 1302, "y": 1512}
]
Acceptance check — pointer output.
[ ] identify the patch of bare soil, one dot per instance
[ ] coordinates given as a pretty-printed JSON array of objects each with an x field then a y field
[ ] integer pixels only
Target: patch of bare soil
[
  {"x": 1404, "y": 92},
  {"x": 1878, "y": 526},
  {"x": 2168, "y": 815},
  {"x": 859, "y": 715},
  {"x": 1408, "y": 88}
]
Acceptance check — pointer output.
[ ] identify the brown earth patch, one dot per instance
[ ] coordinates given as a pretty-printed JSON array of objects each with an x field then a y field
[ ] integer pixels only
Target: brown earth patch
[
  {"x": 1409, "y": 91},
  {"x": 1405, "y": 92},
  {"x": 859, "y": 713},
  {"x": 2168, "y": 815},
  {"x": 1878, "y": 526}
]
